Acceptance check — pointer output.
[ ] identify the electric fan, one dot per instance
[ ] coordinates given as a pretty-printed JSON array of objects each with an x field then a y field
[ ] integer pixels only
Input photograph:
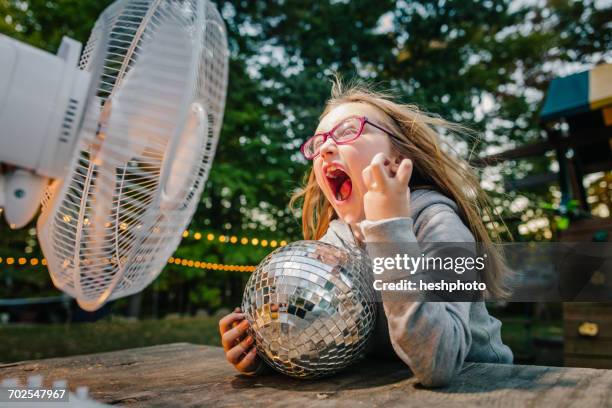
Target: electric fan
[{"x": 118, "y": 148}]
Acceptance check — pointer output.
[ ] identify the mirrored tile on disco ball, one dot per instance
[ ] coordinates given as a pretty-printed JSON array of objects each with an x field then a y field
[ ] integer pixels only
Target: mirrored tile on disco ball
[{"x": 322, "y": 312}]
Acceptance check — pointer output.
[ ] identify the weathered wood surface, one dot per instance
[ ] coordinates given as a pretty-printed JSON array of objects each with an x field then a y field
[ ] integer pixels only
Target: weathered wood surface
[
  {"x": 187, "y": 375},
  {"x": 587, "y": 349}
]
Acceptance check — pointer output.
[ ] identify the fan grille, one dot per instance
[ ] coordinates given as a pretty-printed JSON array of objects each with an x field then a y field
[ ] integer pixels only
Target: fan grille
[{"x": 151, "y": 127}]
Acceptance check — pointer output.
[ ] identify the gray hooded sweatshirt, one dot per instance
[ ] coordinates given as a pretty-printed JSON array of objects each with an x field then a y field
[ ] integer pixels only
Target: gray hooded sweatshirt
[{"x": 433, "y": 338}]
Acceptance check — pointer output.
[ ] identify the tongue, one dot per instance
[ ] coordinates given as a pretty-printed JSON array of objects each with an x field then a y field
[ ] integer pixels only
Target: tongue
[{"x": 345, "y": 190}]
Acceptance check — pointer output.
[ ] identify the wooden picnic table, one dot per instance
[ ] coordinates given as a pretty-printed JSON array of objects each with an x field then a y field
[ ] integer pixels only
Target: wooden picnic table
[{"x": 181, "y": 375}]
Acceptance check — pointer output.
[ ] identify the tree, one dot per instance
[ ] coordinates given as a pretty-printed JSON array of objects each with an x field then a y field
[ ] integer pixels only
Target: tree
[{"x": 483, "y": 63}]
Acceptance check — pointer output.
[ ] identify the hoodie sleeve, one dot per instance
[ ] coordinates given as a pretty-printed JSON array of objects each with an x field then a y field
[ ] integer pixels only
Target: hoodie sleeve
[{"x": 432, "y": 338}]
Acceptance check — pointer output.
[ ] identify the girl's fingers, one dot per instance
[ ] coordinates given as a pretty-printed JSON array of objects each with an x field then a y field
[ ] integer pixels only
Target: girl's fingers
[
  {"x": 234, "y": 355},
  {"x": 404, "y": 172},
  {"x": 227, "y": 322},
  {"x": 228, "y": 339},
  {"x": 367, "y": 178},
  {"x": 248, "y": 360},
  {"x": 379, "y": 173}
]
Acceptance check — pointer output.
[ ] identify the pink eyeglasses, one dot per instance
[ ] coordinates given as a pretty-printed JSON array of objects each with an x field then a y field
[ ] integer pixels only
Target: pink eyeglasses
[{"x": 344, "y": 132}]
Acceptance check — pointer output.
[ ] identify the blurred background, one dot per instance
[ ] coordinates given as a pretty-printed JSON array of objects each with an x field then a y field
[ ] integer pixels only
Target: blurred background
[{"x": 486, "y": 64}]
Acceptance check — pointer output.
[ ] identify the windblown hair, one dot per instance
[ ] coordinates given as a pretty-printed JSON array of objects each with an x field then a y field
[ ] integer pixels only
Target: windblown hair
[{"x": 434, "y": 168}]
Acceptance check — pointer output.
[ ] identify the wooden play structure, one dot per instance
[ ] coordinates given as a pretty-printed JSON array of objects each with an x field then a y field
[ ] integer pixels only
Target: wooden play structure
[{"x": 577, "y": 118}]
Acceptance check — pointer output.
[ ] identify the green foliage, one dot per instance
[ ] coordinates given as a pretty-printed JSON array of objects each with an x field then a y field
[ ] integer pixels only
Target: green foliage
[
  {"x": 106, "y": 335},
  {"x": 483, "y": 63},
  {"x": 62, "y": 340},
  {"x": 43, "y": 23}
]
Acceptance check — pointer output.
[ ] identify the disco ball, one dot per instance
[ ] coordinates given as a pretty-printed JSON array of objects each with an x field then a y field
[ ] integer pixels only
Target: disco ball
[{"x": 311, "y": 307}]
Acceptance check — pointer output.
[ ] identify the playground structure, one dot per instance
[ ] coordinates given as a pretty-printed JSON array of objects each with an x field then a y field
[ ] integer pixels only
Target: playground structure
[{"x": 577, "y": 119}]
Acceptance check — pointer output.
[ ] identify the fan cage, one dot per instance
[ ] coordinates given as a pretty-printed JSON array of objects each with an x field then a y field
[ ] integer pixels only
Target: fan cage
[{"x": 106, "y": 230}]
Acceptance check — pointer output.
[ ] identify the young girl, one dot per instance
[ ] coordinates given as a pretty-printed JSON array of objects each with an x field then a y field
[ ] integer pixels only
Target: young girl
[{"x": 379, "y": 175}]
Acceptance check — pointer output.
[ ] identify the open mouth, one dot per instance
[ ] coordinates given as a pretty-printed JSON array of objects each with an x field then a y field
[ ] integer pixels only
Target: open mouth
[{"x": 340, "y": 183}]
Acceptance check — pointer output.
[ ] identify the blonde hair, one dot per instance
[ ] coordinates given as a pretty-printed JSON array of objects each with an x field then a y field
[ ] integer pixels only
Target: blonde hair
[{"x": 434, "y": 168}]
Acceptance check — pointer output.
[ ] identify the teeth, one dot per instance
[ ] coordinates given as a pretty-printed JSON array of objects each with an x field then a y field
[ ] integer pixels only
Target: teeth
[{"x": 330, "y": 170}]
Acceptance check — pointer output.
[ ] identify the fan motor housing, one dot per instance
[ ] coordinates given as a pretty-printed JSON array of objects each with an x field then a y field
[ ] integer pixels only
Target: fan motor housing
[{"x": 41, "y": 105}]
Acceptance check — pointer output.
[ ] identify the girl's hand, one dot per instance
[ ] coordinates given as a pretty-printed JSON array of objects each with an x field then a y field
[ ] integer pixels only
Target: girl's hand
[
  {"x": 388, "y": 195},
  {"x": 239, "y": 348}
]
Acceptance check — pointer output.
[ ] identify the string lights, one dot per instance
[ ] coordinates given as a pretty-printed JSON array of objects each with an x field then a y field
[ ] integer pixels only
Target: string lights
[
  {"x": 233, "y": 239},
  {"x": 189, "y": 263},
  {"x": 198, "y": 235},
  {"x": 22, "y": 261}
]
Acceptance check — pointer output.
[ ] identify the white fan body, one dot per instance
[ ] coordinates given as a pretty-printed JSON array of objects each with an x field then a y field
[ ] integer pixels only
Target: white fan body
[
  {"x": 41, "y": 104},
  {"x": 154, "y": 79}
]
